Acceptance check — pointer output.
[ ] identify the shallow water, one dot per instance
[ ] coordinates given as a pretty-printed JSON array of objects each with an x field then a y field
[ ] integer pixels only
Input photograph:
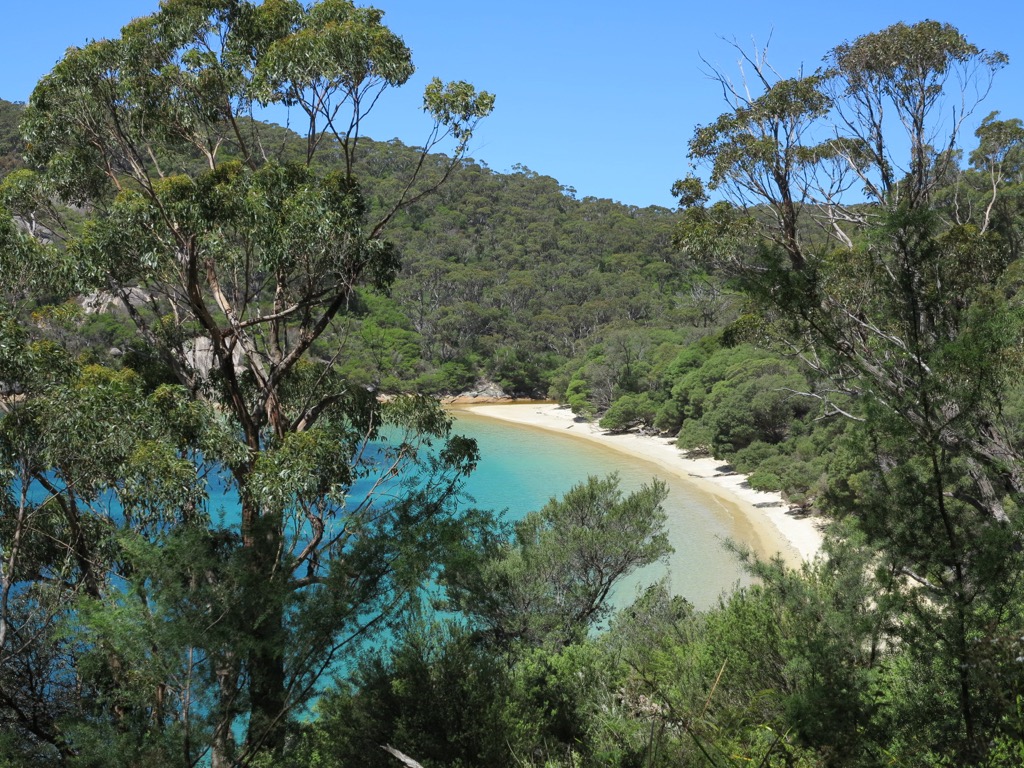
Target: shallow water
[{"x": 521, "y": 467}]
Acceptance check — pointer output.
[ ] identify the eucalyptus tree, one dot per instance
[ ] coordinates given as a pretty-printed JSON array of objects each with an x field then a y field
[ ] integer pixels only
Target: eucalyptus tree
[
  {"x": 899, "y": 309},
  {"x": 548, "y": 581},
  {"x": 991, "y": 196},
  {"x": 234, "y": 256}
]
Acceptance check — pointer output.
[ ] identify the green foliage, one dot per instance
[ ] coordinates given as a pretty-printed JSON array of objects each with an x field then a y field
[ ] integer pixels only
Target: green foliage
[
  {"x": 784, "y": 671},
  {"x": 262, "y": 312},
  {"x": 901, "y": 646},
  {"x": 906, "y": 334},
  {"x": 11, "y": 145},
  {"x": 438, "y": 696},
  {"x": 549, "y": 582},
  {"x": 479, "y": 286},
  {"x": 752, "y": 408},
  {"x": 630, "y": 411},
  {"x": 232, "y": 262},
  {"x": 510, "y": 276}
]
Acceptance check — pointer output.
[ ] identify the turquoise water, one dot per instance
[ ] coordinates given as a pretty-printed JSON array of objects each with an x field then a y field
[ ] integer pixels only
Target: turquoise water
[{"x": 522, "y": 467}]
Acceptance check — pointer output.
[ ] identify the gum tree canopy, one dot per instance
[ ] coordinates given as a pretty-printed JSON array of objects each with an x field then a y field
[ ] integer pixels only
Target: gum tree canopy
[
  {"x": 149, "y": 628},
  {"x": 873, "y": 257}
]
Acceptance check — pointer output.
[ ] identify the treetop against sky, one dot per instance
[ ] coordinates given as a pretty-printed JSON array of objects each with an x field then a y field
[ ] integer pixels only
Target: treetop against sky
[{"x": 601, "y": 95}]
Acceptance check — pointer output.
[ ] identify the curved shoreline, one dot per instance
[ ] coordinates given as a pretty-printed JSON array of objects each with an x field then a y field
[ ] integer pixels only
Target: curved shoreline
[{"x": 796, "y": 537}]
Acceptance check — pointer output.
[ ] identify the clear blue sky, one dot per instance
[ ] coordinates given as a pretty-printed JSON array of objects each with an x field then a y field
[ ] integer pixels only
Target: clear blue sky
[{"x": 600, "y": 94}]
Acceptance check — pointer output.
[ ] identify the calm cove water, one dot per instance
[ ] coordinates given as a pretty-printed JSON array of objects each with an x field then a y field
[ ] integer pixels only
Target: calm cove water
[{"x": 521, "y": 467}]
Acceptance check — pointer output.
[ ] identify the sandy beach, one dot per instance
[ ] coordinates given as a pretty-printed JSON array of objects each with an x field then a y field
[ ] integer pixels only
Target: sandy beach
[{"x": 796, "y": 537}]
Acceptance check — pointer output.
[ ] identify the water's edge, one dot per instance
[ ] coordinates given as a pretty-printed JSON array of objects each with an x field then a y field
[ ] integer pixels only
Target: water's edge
[{"x": 522, "y": 466}]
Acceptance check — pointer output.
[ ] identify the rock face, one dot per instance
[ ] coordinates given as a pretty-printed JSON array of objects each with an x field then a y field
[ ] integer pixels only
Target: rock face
[
  {"x": 35, "y": 229},
  {"x": 95, "y": 303},
  {"x": 483, "y": 392},
  {"x": 199, "y": 357}
]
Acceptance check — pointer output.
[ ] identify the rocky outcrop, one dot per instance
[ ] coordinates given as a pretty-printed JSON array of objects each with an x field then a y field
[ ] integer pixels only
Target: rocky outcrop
[
  {"x": 483, "y": 392},
  {"x": 35, "y": 229},
  {"x": 199, "y": 357},
  {"x": 104, "y": 301}
]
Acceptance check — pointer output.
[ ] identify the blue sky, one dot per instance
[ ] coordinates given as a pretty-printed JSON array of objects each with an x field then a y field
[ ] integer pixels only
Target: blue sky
[{"x": 600, "y": 94}]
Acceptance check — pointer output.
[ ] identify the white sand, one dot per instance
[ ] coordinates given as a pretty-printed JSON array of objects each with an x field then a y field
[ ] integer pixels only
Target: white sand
[{"x": 796, "y": 537}]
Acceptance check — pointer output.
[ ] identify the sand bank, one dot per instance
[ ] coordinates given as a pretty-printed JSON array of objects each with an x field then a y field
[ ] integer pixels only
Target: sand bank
[{"x": 796, "y": 537}]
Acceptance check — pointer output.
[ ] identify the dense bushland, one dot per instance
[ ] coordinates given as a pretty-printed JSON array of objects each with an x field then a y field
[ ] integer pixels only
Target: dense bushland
[{"x": 861, "y": 353}]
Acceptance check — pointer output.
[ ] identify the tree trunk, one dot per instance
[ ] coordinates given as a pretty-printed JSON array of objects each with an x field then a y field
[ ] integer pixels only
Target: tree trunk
[{"x": 263, "y": 619}]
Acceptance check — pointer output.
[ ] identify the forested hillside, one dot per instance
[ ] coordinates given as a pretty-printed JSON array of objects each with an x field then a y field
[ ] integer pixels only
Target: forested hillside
[
  {"x": 505, "y": 276},
  {"x": 508, "y": 278},
  {"x": 11, "y": 147},
  {"x": 221, "y": 545}
]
